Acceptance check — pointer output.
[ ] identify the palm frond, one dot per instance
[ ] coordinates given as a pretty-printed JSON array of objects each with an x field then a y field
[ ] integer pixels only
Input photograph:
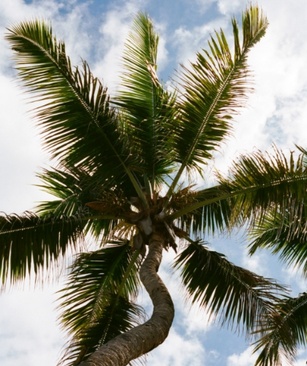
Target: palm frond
[
  {"x": 261, "y": 181},
  {"x": 282, "y": 331},
  {"x": 97, "y": 302},
  {"x": 283, "y": 233},
  {"x": 222, "y": 287},
  {"x": 75, "y": 190},
  {"x": 30, "y": 244},
  {"x": 215, "y": 86},
  {"x": 119, "y": 316},
  {"x": 69, "y": 187},
  {"x": 203, "y": 211},
  {"x": 260, "y": 184},
  {"x": 78, "y": 124},
  {"x": 304, "y": 152},
  {"x": 147, "y": 109}
]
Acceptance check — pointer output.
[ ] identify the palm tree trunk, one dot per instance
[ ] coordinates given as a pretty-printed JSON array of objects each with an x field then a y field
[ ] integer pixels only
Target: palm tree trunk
[{"x": 143, "y": 338}]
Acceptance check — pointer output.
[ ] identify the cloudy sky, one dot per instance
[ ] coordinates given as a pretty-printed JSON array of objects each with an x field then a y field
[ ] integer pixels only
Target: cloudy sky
[{"x": 275, "y": 113}]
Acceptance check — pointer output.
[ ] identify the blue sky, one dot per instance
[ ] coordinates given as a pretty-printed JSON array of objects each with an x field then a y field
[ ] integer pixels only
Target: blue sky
[{"x": 276, "y": 112}]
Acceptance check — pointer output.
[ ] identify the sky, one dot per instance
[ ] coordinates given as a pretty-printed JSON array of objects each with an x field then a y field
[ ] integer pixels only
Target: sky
[{"x": 275, "y": 113}]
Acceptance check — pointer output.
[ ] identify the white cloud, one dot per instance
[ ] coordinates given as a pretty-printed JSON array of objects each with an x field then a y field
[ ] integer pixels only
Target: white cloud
[
  {"x": 302, "y": 357},
  {"x": 21, "y": 149},
  {"x": 294, "y": 276},
  {"x": 28, "y": 335},
  {"x": 246, "y": 358},
  {"x": 178, "y": 351},
  {"x": 188, "y": 41},
  {"x": 300, "y": 362},
  {"x": 113, "y": 31},
  {"x": 231, "y": 7}
]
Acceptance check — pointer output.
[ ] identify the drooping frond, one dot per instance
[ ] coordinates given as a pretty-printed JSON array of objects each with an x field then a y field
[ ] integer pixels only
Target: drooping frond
[
  {"x": 282, "y": 332},
  {"x": 147, "y": 109},
  {"x": 79, "y": 126},
  {"x": 260, "y": 181},
  {"x": 222, "y": 287},
  {"x": 215, "y": 85},
  {"x": 283, "y": 227},
  {"x": 97, "y": 302},
  {"x": 283, "y": 233},
  {"x": 258, "y": 184},
  {"x": 31, "y": 244},
  {"x": 304, "y": 152}
]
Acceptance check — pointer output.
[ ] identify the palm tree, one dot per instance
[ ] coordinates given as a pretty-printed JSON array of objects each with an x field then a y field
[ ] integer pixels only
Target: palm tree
[{"x": 121, "y": 176}]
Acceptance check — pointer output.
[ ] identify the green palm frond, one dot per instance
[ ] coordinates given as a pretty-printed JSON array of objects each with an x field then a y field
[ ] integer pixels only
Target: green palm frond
[
  {"x": 146, "y": 108},
  {"x": 119, "y": 316},
  {"x": 75, "y": 189},
  {"x": 303, "y": 151},
  {"x": 214, "y": 87},
  {"x": 215, "y": 216},
  {"x": 69, "y": 187},
  {"x": 222, "y": 287},
  {"x": 78, "y": 124},
  {"x": 97, "y": 302},
  {"x": 282, "y": 331},
  {"x": 31, "y": 244},
  {"x": 261, "y": 181},
  {"x": 283, "y": 233},
  {"x": 207, "y": 211}
]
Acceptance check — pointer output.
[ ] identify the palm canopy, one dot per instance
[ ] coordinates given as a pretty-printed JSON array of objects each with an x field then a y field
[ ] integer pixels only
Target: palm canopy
[{"x": 121, "y": 162}]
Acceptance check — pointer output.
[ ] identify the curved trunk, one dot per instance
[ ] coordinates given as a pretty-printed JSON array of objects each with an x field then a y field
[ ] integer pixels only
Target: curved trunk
[{"x": 143, "y": 338}]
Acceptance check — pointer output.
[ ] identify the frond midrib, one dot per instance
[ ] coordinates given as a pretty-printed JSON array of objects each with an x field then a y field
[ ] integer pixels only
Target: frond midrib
[
  {"x": 233, "y": 194},
  {"x": 199, "y": 132}
]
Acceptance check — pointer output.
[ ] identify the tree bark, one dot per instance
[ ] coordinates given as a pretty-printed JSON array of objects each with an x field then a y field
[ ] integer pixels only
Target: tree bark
[{"x": 143, "y": 338}]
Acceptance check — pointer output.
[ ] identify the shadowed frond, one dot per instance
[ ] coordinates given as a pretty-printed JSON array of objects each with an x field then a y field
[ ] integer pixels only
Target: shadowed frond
[
  {"x": 282, "y": 331},
  {"x": 222, "y": 287},
  {"x": 260, "y": 181},
  {"x": 283, "y": 227},
  {"x": 304, "y": 152},
  {"x": 214, "y": 86},
  {"x": 97, "y": 302},
  {"x": 283, "y": 233},
  {"x": 31, "y": 244}
]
